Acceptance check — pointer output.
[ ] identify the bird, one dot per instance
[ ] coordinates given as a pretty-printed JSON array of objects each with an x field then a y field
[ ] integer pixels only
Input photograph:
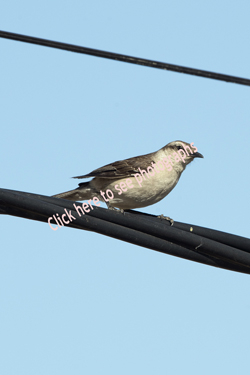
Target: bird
[{"x": 136, "y": 182}]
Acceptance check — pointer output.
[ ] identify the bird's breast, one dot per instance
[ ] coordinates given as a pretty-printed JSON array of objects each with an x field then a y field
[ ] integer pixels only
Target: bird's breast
[{"x": 142, "y": 189}]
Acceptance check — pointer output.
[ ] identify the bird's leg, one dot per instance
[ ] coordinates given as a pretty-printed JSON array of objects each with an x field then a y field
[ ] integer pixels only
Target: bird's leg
[
  {"x": 114, "y": 209},
  {"x": 162, "y": 217}
]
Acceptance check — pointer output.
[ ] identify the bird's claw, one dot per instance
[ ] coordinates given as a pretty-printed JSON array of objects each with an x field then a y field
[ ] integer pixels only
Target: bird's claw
[
  {"x": 162, "y": 217},
  {"x": 116, "y": 209}
]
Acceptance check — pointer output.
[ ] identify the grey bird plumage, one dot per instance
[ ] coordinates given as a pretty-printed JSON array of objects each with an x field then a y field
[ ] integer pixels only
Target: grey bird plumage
[{"x": 158, "y": 173}]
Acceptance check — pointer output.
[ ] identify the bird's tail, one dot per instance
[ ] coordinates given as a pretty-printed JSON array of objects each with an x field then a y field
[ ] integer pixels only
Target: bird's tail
[{"x": 83, "y": 192}]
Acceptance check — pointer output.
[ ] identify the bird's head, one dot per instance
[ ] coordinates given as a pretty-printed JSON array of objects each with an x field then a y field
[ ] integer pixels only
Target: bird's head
[{"x": 182, "y": 153}]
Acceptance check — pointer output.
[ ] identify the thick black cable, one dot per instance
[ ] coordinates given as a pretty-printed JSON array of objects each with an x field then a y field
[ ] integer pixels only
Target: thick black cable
[
  {"x": 159, "y": 229},
  {"x": 241, "y": 243},
  {"x": 124, "y": 58},
  {"x": 154, "y": 233},
  {"x": 42, "y": 210}
]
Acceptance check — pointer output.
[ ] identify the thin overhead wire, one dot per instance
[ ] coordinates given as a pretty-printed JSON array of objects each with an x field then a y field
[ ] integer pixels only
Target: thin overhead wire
[{"x": 124, "y": 58}]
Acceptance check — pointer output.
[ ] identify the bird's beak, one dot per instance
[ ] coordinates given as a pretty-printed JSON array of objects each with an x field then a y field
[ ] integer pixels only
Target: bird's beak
[{"x": 198, "y": 155}]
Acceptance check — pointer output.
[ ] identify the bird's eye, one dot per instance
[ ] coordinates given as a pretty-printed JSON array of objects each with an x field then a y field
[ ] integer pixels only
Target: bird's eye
[{"x": 179, "y": 148}]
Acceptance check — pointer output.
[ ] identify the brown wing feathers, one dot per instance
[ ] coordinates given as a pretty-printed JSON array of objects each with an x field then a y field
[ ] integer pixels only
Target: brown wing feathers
[{"x": 121, "y": 168}]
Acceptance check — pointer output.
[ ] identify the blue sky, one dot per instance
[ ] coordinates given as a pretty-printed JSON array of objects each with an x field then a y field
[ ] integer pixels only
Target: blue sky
[{"x": 79, "y": 302}]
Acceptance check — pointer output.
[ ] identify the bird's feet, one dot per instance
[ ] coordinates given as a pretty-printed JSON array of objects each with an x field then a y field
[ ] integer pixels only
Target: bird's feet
[
  {"x": 162, "y": 217},
  {"x": 115, "y": 209}
]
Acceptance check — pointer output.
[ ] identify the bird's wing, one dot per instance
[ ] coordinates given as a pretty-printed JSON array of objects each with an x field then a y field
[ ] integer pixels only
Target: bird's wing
[{"x": 122, "y": 168}]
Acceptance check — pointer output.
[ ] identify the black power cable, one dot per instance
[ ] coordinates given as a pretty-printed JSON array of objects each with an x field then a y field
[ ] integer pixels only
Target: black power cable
[
  {"x": 213, "y": 248},
  {"x": 124, "y": 58}
]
